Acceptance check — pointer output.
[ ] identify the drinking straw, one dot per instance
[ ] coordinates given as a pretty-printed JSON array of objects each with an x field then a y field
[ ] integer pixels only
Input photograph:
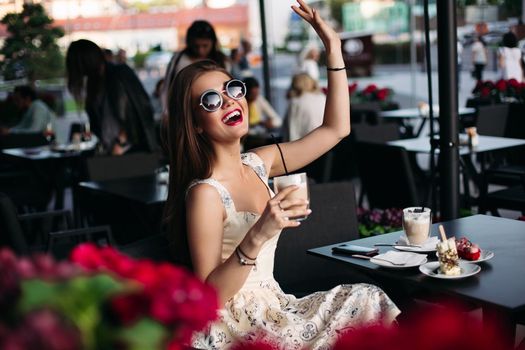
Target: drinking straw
[
  {"x": 281, "y": 153},
  {"x": 442, "y": 232}
]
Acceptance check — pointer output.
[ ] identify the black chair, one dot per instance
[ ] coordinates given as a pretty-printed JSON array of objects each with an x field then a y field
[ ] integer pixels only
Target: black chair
[
  {"x": 11, "y": 233},
  {"x": 492, "y": 120},
  {"x": 512, "y": 198},
  {"x": 58, "y": 243},
  {"x": 333, "y": 220},
  {"x": 344, "y": 164},
  {"x": 320, "y": 170},
  {"x": 386, "y": 176}
]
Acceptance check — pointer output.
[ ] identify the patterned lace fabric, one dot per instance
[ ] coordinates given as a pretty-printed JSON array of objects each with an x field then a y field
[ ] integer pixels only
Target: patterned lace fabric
[{"x": 262, "y": 309}]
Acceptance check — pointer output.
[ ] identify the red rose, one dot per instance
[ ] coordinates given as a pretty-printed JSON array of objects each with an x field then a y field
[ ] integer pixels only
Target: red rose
[
  {"x": 382, "y": 94},
  {"x": 369, "y": 89},
  {"x": 87, "y": 255},
  {"x": 513, "y": 83},
  {"x": 129, "y": 307},
  {"x": 485, "y": 92},
  {"x": 489, "y": 84},
  {"x": 501, "y": 85},
  {"x": 352, "y": 88}
]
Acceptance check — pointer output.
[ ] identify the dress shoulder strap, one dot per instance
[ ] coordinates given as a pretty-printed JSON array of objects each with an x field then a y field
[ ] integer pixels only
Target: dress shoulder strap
[
  {"x": 256, "y": 163},
  {"x": 223, "y": 192}
]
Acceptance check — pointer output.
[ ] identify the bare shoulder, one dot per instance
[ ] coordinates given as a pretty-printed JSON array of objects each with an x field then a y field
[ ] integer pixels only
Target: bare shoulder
[{"x": 205, "y": 194}]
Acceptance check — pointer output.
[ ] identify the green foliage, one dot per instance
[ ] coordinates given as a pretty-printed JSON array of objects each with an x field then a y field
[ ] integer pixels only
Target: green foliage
[
  {"x": 78, "y": 298},
  {"x": 140, "y": 58},
  {"x": 31, "y": 50}
]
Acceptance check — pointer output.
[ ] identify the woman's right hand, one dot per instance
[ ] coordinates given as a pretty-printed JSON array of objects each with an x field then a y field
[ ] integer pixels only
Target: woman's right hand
[{"x": 276, "y": 215}]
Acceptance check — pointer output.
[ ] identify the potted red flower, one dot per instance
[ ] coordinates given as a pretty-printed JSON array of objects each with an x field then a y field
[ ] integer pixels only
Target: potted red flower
[{"x": 101, "y": 299}]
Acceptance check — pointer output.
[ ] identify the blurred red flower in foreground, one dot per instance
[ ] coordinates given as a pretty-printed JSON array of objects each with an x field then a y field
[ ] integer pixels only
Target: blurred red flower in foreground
[
  {"x": 433, "y": 329},
  {"x": 101, "y": 300}
]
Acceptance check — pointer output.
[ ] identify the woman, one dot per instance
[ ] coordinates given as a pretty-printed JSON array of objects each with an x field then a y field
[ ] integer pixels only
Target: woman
[
  {"x": 260, "y": 110},
  {"x": 221, "y": 206},
  {"x": 305, "y": 109},
  {"x": 118, "y": 107},
  {"x": 509, "y": 58},
  {"x": 201, "y": 43},
  {"x": 479, "y": 58},
  {"x": 309, "y": 62}
]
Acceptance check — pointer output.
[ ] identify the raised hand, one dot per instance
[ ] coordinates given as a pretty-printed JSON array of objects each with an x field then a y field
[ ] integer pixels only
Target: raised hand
[{"x": 310, "y": 15}]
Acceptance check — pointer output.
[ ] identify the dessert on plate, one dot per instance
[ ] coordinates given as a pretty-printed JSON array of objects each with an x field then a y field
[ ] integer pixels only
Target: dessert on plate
[
  {"x": 448, "y": 255},
  {"x": 467, "y": 250}
]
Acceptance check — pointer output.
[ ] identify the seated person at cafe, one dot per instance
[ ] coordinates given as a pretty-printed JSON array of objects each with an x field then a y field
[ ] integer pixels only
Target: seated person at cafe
[
  {"x": 262, "y": 113},
  {"x": 36, "y": 114},
  {"x": 306, "y": 104}
]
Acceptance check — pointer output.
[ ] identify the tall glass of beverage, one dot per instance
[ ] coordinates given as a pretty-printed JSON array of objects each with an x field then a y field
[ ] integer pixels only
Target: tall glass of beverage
[{"x": 300, "y": 180}]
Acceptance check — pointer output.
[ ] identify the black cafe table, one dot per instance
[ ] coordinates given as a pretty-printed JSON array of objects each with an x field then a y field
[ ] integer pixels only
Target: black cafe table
[
  {"x": 414, "y": 113},
  {"x": 132, "y": 206},
  {"x": 144, "y": 190},
  {"x": 500, "y": 286},
  {"x": 52, "y": 164},
  {"x": 486, "y": 144}
]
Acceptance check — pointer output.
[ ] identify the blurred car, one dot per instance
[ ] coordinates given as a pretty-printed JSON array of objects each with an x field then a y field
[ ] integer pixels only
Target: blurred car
[{"x": 158, "y": 61}]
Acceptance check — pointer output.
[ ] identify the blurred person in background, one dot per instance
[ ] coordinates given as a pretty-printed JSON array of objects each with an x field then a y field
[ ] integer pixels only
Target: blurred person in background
[
  {"x": 479, "y": 57},
  {"x": 36, "y": 117},
  {"x": 262, "y": 116},
  {"x": 121, "y": 57},
  {"x": 509, "y": 58},
  {"x": 305, "y": 107},
  {"x": 156, "y": 101},
  {"x": 119, "y": 108},
  {"x": 244, "y": 64},
  {"x": 108, "y": 55},
  {"x": 309, "y": 61},
  {"x": 235, "y": 60},
  {"x": 201, "y": 43}
]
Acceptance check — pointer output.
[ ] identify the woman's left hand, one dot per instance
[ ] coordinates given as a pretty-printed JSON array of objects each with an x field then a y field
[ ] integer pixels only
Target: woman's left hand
[{"x": 310, "y": 15}]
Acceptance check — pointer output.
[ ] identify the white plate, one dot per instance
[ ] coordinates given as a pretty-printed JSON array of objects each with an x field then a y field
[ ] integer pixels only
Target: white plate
[
  {"x": 431, "y": 269},
  {"x": 385, "y": 263},
  {"x": 484, "y": 256},
  {"x": 405, "y": 248}
]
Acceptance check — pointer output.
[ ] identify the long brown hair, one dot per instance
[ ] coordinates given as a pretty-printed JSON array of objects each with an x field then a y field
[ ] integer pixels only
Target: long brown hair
[
  {"x": 84, "y": 59},
  {"x": 190, "y": 153}
]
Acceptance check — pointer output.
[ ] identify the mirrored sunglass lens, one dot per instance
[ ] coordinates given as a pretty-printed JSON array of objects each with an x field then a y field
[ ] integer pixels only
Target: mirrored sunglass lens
[
  {"x": 211, "y": 101},
  {"x": 236, "y": 89}
]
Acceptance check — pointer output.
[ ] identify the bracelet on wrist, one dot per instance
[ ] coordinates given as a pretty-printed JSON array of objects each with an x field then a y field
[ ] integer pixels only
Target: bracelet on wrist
[
  {"x": 335, "y": 69},
  {"x": 242, "y": 260},
  {"x": 244, "y": 254}
]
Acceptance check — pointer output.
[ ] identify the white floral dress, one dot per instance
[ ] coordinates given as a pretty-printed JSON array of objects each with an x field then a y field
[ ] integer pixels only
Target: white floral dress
[{"x": 262, "y": 309}]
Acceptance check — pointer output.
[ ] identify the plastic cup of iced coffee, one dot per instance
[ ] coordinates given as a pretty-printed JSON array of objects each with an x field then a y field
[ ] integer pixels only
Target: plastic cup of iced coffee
[
  {"x": 300, "y": 180},
  {"x": 416, "y": 224}
]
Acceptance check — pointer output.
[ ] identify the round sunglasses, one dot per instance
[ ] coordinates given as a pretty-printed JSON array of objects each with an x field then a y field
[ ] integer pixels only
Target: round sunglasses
[{"x": 211, "y": 100}]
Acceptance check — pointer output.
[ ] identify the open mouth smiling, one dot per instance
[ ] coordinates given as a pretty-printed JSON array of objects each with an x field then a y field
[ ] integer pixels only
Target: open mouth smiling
[{"x": 232, "y": 118}]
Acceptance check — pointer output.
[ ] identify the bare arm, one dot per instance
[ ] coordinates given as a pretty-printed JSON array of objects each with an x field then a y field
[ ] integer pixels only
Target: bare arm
[
  {"x": 205, "y": 216},
  {"x": 336, "y": 120}
]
